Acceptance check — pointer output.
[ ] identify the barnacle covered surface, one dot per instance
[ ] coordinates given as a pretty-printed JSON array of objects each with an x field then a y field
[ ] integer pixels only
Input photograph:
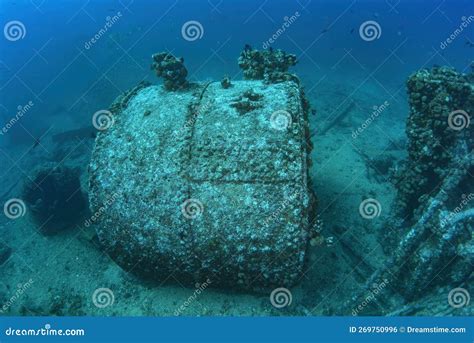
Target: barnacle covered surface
[
  {"x": 196, "y": 145},
  {"x": 438, "y": 172},
  {"x": 433, "y": 145}
]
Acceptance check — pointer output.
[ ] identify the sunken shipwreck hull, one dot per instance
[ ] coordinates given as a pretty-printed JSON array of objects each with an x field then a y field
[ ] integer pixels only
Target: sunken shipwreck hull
[{"x": 206, "y": 183}]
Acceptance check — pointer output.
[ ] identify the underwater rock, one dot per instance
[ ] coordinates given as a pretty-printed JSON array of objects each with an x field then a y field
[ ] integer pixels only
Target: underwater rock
[
  {"x": 54, "y": 198},
  {"x": 5, "y": 252},
  {"x": 171, "y": 69},
  {"x": 198, "y": 191},
  {"x": 269, "y": 65}
]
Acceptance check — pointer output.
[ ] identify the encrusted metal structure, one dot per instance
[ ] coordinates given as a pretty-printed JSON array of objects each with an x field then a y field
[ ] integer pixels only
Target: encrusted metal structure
[{"x": 206, "y": 183}]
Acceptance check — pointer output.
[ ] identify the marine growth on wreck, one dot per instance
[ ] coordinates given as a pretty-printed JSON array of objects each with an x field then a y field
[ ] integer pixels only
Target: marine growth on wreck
[{"x": 231, "y": 159}]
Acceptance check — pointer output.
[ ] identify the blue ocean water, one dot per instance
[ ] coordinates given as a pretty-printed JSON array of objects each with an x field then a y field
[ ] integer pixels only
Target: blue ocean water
[
  {"x": 62, "y": 61},
  {"x": 51, "y": 66}
]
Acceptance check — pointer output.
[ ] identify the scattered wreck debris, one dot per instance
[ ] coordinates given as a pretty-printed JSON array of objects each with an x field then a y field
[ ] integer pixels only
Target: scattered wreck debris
[{"x": 431, "y": 237}]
